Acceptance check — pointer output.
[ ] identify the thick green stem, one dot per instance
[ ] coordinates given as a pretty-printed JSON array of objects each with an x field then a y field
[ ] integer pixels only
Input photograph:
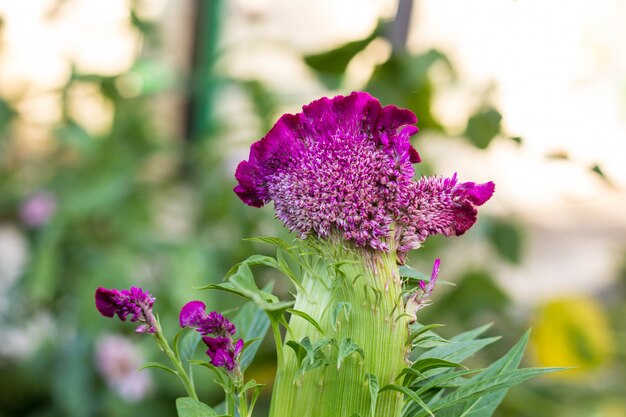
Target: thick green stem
[{"x": 370, "y": 284}]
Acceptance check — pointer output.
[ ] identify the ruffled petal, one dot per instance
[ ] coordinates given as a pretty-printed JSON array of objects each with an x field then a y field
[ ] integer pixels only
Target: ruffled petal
[
  {"x": 107, "y": 301},
  {"x": 193, "y": 314}
]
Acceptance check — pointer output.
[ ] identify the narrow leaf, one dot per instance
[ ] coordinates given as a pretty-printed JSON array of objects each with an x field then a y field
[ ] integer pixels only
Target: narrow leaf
[
  {"x": 306, "y": 317},
  {"x": 344, "y": 306},
  {"x": 413, "y": 396},
  {"x": 346, "y": 348},
  {"x": 157, "y": 365},
  {"x": 374, "y": 387},
  {"x": 275, "y": 241}
]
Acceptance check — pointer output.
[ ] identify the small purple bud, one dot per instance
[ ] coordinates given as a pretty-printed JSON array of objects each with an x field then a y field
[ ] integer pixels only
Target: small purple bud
[{"x": 420, "y": 298}]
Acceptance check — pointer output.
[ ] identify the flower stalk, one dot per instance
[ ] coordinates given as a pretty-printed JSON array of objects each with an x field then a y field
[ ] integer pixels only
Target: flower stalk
[
  {"x": 180, "y": 370},
  {"x": 374, "y": 327}
]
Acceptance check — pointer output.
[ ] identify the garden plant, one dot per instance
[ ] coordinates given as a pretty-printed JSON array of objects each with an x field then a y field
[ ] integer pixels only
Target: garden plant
[{"x": 350, "y": 342}]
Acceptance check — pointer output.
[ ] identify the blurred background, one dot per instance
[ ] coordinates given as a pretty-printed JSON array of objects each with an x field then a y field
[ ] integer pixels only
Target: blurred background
[{"x": 122, "y": 121}]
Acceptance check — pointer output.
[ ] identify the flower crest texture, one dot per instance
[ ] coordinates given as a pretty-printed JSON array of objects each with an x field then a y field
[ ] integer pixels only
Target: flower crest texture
[
  {"x": 344, "y": 166},
  {"x": 134, "y": 302}
]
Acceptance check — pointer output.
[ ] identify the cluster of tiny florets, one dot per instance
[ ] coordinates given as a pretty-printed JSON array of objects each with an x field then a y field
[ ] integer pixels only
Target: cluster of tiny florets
[
  {"x": 344, "y": 167},
  {"x": 217, "y": 332},
  {"x": 349, "y": 185},
  {"x": 134, "y": 302}
]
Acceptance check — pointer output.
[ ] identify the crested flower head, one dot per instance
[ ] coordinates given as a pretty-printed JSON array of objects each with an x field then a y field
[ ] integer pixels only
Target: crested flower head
[
  {"x": 343, "y": 166},
  {"x": 223, "y": 350},
  {"x": 135, "y": 302},
  {"x": 438, "y": 206}
]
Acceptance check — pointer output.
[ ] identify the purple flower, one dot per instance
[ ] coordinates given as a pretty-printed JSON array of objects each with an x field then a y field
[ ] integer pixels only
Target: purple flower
[
  {"x": 37, "y": 210},
  {"x": 134, "y": 302},
  {"x": 193, "y": 314},
  {"x": 421, "y": 298},
  {"x": 343, "y": 167},
  {"x": 438, "y": 206},
  {"x": 222, "y": 349}
]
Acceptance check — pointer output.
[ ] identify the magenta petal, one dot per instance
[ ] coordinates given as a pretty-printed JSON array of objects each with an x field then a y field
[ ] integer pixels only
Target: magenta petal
[
  {"x": 480, "y": 193},
  {"x": 107, "y": 301},
  {"x": 192, "y": 314},
  {"x": 246, "y": 189},
  {"x": 435, "y": 273},
  {"x": 238, "y": 347},
  {"x": 394, "y": 117}
]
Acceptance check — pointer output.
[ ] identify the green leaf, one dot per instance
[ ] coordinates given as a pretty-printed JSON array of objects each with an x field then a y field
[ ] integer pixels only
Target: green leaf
[
  {"x": 252, "y": 325},
  {"x": 176, "y": 341},
  {"x": 330, "y": 66},
  {"x": 310, "y": 355},
  {"x": 423, "y": 365},
  {"x": 344, "y": 306},
  {"x": 509, "y": 362},
  {"x": 472, "y": 334},
  {"x": 242, "y": 283},
  {"x": 480, "y": 395},
  {"x": 483, "y": 126},
  {"x": 457, "y": 351},
  {"x": 406, "y": 271},
  {"x": 275, "y": 241},
  {"x": 306, "y": 317},
  {"x": 188, "y": 407},
  {"x": 218, "y": 372},
  {"x": 480, "y": 389},
  {"x": 374, "y": 387},
  {"x": 412, "y": 395},
  {"x": 250, "y": 385},
  {"x": 444, "y": 380},
  {"x": 421, "y": 330},
  {"x": 253, "y": 260},
  {"x": 298, "y": 349},
  {"x": 279, "y": 264},
  {"x": 346, "y": 348},
  {"x": 404, "y": 80},
  {"x": 157, "y": 365},
  {"x": 188, "y": 345}
]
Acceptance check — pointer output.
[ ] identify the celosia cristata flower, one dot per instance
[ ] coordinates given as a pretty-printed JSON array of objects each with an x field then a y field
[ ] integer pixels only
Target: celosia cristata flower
[
  {"x": 134, "y": 302},
  {"x": 344, "y": 166},
  {"x": 222, "y": 348}
]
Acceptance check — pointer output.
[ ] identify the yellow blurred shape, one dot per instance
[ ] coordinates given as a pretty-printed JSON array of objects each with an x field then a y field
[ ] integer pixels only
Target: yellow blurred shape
[{"x": 572, "y": 332}]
